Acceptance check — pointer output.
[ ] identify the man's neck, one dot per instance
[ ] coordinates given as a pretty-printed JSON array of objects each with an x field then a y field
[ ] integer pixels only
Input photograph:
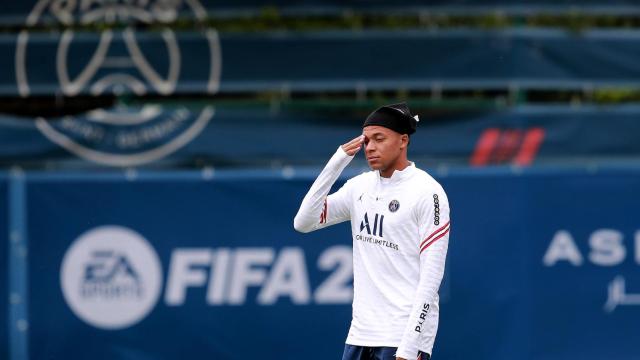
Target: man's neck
[{"x": 399, "y": 165}]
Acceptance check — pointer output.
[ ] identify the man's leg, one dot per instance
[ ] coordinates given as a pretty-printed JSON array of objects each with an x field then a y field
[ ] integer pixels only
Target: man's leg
[
  {"x": 352, "y": 352},
  {"x": 389, "y": 353},
  {"x": 385, "y": 353}
]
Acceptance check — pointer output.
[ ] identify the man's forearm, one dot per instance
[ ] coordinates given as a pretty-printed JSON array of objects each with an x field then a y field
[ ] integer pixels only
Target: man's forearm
[
  {"x": 431, "y": 274},
  {"x": 307, "y": 218}
]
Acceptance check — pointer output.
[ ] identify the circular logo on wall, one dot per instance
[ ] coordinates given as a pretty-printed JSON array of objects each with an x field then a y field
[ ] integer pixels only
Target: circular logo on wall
[
  {"x": 119, "y": 62},
  {"x": 111, "y": 277}
]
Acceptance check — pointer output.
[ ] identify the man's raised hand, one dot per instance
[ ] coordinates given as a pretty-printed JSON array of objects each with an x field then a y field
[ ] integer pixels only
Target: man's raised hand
[{"x": 352, "y": 147}]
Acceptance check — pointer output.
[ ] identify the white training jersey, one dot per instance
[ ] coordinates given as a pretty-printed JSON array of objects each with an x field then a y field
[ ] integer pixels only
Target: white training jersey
[{"x": 400, "y": 231}]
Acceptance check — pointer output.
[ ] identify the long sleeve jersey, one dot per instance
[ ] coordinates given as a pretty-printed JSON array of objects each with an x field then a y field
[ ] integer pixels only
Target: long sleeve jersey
[{"x": 400, "y": 229}]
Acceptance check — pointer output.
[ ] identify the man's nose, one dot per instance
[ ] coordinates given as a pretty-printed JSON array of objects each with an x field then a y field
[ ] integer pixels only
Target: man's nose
[{"x": 369, "y": 146}]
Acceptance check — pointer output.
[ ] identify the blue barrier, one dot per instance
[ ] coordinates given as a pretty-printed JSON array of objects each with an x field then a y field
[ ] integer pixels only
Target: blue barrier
[
  {"x": 4, "y": 265},
  {"x": 269, "y": 138},
  {"x": 110, "y": 62},
  {"x": 541, "y": 265},
  {"x": 16, "y": 12},
  {"x": 169, "y": 63}
]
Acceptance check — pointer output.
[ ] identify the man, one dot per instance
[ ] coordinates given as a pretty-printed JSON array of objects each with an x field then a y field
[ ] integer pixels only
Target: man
[{"x": 400, "y": 224}]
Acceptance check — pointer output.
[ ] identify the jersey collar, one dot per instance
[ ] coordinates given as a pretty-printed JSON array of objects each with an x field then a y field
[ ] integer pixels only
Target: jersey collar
[{"x": 398, "y": 175}]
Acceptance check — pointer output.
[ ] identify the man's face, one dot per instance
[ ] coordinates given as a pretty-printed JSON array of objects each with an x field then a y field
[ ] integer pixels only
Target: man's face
[{"x": 382, "y": 146}]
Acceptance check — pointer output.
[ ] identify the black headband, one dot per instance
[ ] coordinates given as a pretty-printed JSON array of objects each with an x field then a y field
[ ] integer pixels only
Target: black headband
[{"x": 396, "y": 117}]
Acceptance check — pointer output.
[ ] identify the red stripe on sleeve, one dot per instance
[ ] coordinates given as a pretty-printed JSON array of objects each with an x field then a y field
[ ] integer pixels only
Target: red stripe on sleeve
[
  {"x": 323, "y": 215},
  {"x": 434, "y": 240},
  {"x": 434, "y": 233}
]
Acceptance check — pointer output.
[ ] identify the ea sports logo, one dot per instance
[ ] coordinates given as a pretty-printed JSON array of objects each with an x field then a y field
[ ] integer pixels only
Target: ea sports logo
[
  {"x": 117, "y": 62},
  {"x": 111, "y": 277}
]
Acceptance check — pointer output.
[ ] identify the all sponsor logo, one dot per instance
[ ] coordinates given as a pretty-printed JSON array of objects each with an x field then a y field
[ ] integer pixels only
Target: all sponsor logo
[
  {"x": 121, "y": 61},
  {"x": 372, "y": 232},
  {"x": 374, "y": 229}
]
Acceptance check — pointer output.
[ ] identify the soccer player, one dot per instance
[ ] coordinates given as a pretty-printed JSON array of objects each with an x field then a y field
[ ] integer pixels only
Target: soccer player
[{"x": 400, "y": 225}]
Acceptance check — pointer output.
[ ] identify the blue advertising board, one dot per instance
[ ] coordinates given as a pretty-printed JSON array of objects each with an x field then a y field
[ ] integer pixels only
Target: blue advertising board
[
  {"x": 542, "y": 264},
  {"x": 584, "y": 285},
  {"x": 277, "y": 294}
]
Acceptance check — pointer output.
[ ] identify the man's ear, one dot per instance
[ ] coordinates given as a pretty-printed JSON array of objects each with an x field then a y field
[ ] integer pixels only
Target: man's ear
[{"x": 404, "y": 138}]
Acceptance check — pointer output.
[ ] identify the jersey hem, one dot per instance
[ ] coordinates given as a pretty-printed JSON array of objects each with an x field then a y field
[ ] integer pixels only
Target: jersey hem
[
  {"x": 372, "y": 343},
  {"x": 381, "y": 344}
]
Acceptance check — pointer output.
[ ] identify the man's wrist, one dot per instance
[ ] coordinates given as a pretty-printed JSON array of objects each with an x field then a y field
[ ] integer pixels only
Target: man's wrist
[
  {"x": 341, "y": 157},
  {"x": 403, "y": 353},
  {"x": 343, "y": 153}
]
